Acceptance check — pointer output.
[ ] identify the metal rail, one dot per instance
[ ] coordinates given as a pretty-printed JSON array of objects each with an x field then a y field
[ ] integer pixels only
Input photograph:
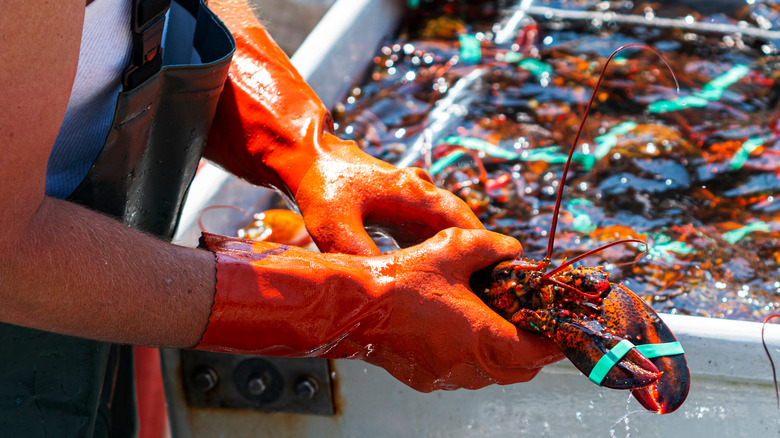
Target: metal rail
[{"x": 661, "y": 22}]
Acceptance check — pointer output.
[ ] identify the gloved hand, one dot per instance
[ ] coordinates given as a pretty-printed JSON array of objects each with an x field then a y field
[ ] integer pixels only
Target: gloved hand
[
  {"x": 272, "y": 130},
  {"x": 410, "y": 312}
]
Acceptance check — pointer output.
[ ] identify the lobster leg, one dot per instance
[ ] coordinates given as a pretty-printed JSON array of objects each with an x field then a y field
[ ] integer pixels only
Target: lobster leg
[{"x": 629, "y": 315}]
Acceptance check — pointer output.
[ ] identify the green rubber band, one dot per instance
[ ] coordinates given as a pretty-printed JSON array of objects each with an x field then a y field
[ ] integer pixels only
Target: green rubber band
[
  {"x": 582, "y": 222},
  {"x": 742, "y": 155},
  {"x": 656, "y": 350},
  {"x": 480, "y": 145},
  {"x": 512, "y": 57},
  {"x": 549, "y": 155},
  {"x": 445, "y": 161},
  {"x": 617, "y": 352},
  {"x": 609, "y": 360},
  {"x": 536, "y": 67},
  {"x": 710, "y": 92},
  {"x": 604, "y": 143},
  {"x": 735, "y": 236},
  {"x": 470, "y": 49}
]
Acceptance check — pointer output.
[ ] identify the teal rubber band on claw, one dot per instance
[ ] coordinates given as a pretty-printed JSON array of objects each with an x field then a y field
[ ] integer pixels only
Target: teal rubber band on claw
[
  {"x": 617, "y": 352},
  {"x": 609, "y": 360},
  {"x": 656, "y": 350}
]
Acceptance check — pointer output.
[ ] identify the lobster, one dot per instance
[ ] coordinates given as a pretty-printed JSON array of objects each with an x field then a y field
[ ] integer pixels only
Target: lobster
[{"x": 609, "y": 333}]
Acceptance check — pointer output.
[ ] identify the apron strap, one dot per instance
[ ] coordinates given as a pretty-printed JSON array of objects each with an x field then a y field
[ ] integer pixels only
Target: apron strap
[{"x": 147, "y": 22}]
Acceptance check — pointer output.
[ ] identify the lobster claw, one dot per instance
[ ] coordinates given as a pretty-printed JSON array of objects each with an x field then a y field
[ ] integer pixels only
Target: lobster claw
[
  {"x": 584, "y": 342},
  {"x": 627, "y": 314},
  {"x": 611, "y": 335}
]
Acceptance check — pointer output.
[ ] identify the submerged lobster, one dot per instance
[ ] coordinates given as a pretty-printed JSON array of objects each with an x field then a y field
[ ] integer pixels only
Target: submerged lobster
[{"x": 609, "y": 333}]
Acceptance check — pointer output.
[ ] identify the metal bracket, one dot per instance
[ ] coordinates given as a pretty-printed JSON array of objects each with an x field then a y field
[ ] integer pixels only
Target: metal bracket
[{"x": 266, "y": 384}]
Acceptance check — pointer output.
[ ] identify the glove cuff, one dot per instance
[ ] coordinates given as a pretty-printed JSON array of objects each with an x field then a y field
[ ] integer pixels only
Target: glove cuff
[{"x": 279, "y": 300}]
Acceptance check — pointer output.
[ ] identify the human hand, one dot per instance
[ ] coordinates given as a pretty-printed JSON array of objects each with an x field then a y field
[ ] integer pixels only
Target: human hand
[
  {"x": 271, "y": 129},
  {"x": 347, "y": 192},
  {"x": 441, "y": 336},
  {"x": 410, "y": 312}
]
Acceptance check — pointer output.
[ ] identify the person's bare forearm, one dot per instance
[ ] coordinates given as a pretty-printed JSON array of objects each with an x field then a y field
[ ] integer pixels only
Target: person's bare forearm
[
  {"x": 64, "y": 268},
  {"x": 77, "y": 272}
]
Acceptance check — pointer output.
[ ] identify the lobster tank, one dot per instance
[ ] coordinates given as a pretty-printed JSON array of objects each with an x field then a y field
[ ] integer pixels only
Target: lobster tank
[{"x": 731, "y": 391}]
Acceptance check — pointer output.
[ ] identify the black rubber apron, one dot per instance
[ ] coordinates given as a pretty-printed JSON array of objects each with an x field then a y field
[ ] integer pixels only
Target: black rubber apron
[{"x": 60, "y": 386}]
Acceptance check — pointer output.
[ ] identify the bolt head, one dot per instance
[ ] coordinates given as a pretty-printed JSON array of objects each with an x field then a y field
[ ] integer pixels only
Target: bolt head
[
  {"x": 256, "y": 385},
  {"x": 205, "y": 379},
  {"x": 307, "y": 388}
]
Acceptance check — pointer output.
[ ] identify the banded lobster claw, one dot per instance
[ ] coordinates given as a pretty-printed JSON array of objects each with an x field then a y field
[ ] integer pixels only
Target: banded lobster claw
[
  {"x": 603, "y": 328},
  {"x": 624, "y": 312},
  {"x": 584, "y": 341}
]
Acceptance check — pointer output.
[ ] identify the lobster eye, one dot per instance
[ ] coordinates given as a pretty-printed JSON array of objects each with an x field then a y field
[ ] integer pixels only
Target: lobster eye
[{"x": 521, "y": 276}]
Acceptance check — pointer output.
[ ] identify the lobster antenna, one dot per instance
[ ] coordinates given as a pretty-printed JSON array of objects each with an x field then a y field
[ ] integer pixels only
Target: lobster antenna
[
  {"x": 771, "y": 362},
  {"x": 590, "y": 253},
  {"x": 554, "y": 225}
]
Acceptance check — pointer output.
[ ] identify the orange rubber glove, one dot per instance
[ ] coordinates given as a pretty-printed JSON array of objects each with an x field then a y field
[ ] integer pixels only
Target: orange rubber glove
[
  {"x": 272, "y": 130},
  {"x": 410, "y": 312}
]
